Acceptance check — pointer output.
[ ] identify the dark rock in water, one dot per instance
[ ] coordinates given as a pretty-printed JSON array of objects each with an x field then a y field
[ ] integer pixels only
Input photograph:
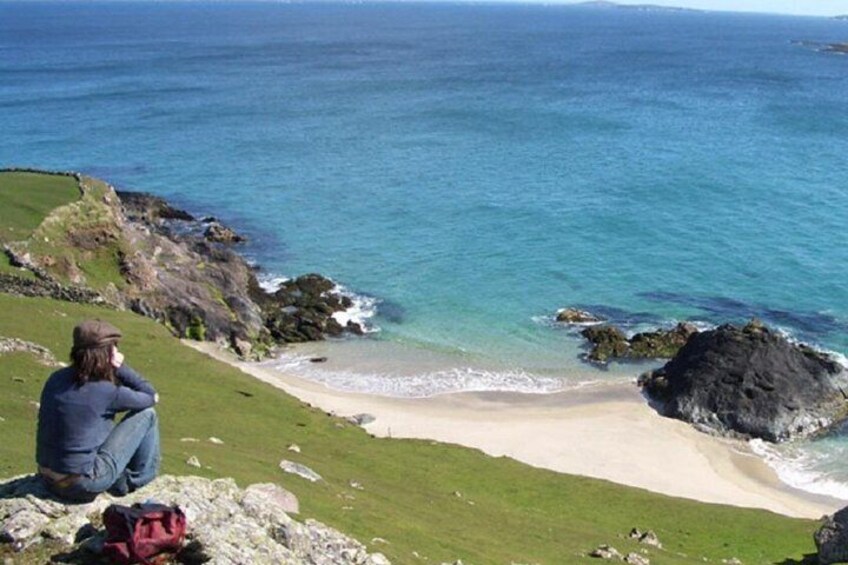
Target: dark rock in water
[
  {"x": 609, "y": 342},
  {"x": 333, "y": 328},
  {"x": 576, "y": 316},
  {"x": 318, "y": 360},
  {"x": 314, "y": 284},
  {"x": 749, "y": 381},
  {"x": 661, "y": 344},
  {"x": 837, "y": 48},
  {"x": 220, "y": 233},
  {"x": 140, "y": 206},
  {"x": 832, "y": 539},
  {"x": 354, "y": 328}
]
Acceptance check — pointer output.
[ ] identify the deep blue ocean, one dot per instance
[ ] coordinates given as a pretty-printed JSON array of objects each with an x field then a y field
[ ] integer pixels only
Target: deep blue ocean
[{"x": 470, "y": 169}]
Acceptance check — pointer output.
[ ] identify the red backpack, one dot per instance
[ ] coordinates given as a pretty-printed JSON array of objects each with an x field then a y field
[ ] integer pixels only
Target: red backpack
[{"x": 144, "y": 533}]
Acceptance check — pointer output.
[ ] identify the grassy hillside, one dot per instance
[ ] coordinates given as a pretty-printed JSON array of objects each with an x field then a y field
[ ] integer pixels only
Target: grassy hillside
[
  {"x": 73, "y": 233},
  {"x": 27, "y": 198},
  {"x": 508, "y": 512}
]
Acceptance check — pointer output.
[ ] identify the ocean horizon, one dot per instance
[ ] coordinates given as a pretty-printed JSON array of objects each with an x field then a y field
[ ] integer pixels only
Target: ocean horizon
[{"x": 467, "y": 170}]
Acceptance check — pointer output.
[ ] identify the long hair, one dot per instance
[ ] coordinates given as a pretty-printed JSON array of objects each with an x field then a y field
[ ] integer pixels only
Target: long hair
[{"x": 93, "y": 364}]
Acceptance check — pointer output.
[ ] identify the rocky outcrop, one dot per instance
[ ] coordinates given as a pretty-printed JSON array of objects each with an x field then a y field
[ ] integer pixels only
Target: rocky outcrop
[
  {"x": 15, "y": 345},
  {"x": 219, "y": 233},
  {"x": 837, "y": 48},
  {"x": 751, "y": 382},
  {"x": 47, "y": 288},
  {"x": 832, "y": 539},
  {"x": 198, "y": 289},
  {"x": 302, "y": 310},
  {"x": 609, "y": 342},
  {"x": 225, "y": 524},
  {"x": 170, "y": 267},
  {"x": 576, "y": 316},
  {"x": 150, "y": 209},
  {"x": 661, "y": 344},
  {"x": 198, "y": 285}
]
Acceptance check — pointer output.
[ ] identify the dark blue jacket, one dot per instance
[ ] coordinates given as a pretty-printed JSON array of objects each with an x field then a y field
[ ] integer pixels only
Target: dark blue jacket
[{"x": 74, "y": 421}]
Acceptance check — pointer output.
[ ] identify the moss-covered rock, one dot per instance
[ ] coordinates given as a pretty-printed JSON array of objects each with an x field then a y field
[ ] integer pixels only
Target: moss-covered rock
[{"x": 609, "y": 342}]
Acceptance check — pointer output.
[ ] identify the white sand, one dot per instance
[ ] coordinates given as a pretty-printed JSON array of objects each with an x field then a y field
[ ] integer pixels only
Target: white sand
[{"x": 606, "y": 431}]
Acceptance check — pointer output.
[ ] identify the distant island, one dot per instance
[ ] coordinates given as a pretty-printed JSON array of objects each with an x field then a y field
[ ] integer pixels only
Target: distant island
[
  {"x": 839, "y": 48},
  {"x": 637, "y": 7},
  {"x": 842, "y": 17}
]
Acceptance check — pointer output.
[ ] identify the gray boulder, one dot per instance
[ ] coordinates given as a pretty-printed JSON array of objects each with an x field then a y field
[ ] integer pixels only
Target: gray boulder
[
  {"x": 225, "y": 524},
  {"x": 300, "y": 470},
  {"x": 832, "y": 539}
]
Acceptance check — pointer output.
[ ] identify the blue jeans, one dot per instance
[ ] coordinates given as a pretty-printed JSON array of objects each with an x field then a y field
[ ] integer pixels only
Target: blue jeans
[{"x": 127, "y": 460}]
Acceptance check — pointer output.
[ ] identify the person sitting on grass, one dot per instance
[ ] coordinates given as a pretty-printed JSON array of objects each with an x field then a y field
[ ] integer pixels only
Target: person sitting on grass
[{"x": 80, "y": 450}]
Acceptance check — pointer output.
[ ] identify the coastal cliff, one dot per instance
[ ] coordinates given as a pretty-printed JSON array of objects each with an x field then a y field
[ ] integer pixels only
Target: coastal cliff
[{"x": 134, "y": 251}]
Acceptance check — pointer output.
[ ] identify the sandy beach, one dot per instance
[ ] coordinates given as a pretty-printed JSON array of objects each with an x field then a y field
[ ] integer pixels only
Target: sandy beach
[{"x": 605, "y": 431}]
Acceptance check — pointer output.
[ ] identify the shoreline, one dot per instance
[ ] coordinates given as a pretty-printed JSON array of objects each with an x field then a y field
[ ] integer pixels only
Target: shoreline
[{"x": 606, "y": 431}]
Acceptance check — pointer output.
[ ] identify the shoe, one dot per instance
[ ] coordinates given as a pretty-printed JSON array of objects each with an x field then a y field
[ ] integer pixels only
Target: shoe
[{"x": 120, "y": 488}]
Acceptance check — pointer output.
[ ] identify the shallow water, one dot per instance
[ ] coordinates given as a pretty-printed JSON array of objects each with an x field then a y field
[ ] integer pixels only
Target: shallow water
[{"x": 410, "y": 370}]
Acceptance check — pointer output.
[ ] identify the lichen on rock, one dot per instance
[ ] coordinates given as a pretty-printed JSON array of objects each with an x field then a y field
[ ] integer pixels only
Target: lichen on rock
[
  {"x": 610, "y": 342},
  {"x": 225, "y": 524}
]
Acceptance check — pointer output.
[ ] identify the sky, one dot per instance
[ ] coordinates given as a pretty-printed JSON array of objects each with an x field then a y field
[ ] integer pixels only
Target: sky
[
  {"x": 799, "y": 7},
  {"x": 795, "y": 7}
]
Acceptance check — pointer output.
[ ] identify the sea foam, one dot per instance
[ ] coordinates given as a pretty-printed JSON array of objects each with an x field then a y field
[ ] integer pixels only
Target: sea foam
[
  {"x": 362, "y": 310},
  {"x": 802, "y": 467},
  {"x": 428, "y": 383}
]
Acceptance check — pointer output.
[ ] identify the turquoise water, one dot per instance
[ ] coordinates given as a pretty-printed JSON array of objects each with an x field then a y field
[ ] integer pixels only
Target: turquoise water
[{"x": 469, "y": 168}]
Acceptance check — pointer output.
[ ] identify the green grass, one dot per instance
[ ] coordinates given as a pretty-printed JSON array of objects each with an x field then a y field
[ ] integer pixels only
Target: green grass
[
  {"x": 519, "y": 513},
  {"x": 76, "y": 234},
  {"x": 27, "y": 198},
  {"x": 6, "y": 267}
]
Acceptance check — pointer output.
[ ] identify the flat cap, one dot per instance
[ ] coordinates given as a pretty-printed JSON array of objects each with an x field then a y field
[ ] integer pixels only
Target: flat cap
[{"x": 95, "y": 333}]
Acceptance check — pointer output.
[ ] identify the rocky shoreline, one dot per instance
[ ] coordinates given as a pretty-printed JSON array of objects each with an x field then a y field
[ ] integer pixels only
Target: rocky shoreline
[
  {"x": 608, "y": 342},
  {"x": 746, "y": 382},
  {"x": 167, "y": 265}
]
